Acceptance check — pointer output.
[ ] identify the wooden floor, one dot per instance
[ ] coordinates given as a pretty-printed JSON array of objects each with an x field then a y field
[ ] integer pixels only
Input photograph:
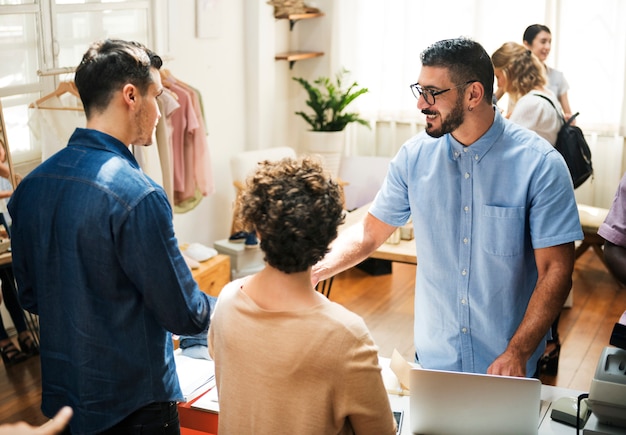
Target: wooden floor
[{"x": 386, "y": 304}]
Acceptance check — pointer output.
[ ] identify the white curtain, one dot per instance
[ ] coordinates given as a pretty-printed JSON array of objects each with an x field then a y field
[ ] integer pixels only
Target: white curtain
[{"x": 380, "y": 43}]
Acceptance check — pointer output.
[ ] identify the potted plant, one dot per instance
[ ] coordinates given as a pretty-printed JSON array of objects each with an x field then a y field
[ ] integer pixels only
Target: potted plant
[{"x": 329, "y": 99}]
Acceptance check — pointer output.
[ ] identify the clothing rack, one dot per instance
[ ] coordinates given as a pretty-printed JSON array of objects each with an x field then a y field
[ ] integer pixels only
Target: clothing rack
[
  {"x": 4, "y": 142},
  {"x": 56, "y": 71}
]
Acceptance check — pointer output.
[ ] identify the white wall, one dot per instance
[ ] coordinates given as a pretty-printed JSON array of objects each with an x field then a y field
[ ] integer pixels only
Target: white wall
[
  {"x": 249, "y": 98},
  {"x": 216, "y": 67}
]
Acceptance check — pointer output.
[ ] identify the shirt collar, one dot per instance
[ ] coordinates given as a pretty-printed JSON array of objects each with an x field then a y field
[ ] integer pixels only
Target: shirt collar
[
  {"x": 90, "y": 138},
  {"x": 481, "y": 147}
]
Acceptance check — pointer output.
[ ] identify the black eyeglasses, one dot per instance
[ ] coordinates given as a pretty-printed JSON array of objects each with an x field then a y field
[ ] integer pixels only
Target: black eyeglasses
[{"x": 429, "y": 94}]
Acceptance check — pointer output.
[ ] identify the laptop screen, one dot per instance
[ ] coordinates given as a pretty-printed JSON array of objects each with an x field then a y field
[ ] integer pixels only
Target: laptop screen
[{"x": 444, "y": 402}]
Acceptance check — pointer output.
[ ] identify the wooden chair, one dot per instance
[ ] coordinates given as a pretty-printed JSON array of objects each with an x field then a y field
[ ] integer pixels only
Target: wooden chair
[{"x": 590, "y": 220}]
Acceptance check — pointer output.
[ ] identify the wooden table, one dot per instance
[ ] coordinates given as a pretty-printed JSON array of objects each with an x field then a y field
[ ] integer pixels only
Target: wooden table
[{"x": 403, "y": 252}]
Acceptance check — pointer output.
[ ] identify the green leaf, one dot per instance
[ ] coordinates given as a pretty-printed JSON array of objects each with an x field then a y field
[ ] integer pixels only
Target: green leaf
[{"x": 328, "y": 101}]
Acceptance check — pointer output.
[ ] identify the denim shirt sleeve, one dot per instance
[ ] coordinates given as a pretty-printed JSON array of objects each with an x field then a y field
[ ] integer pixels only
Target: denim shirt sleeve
[{"x": 154, "y": 262}]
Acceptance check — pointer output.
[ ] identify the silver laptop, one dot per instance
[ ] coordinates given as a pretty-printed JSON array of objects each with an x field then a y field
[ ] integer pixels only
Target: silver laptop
[{"x": 444, "y": 402}]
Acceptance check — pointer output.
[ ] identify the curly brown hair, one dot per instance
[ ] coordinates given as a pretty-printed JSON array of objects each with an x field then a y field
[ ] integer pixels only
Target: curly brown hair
[{"x": 295, "y": 208}]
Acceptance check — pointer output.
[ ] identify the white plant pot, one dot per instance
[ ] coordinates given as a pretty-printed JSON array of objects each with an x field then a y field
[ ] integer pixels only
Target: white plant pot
[{"x": 328, "y": 146}]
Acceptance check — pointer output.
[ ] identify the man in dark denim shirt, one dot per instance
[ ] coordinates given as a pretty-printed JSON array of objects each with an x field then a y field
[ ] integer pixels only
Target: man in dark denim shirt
[{"x": 96, "y": 258}]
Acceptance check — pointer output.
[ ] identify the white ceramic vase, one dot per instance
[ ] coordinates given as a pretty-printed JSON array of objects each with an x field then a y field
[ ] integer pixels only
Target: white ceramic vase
[{"x": 328, "y": 146}]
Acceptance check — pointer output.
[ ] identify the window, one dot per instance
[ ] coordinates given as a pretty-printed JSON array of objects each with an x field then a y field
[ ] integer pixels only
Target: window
[
  {"x": 39, "y": 37},
  {"x": 380, "y": 43}
]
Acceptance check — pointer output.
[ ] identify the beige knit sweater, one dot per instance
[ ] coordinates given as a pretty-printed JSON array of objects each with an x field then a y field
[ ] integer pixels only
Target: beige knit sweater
[{"x": 312, "y": 371}]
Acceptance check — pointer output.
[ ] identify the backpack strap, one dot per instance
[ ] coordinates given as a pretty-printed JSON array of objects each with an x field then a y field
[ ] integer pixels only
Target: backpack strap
[{"x": 571, "y": 118}]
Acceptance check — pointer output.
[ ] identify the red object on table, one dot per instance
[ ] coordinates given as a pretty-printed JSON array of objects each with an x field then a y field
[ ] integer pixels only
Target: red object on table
[{"x": 196, "y": 421}]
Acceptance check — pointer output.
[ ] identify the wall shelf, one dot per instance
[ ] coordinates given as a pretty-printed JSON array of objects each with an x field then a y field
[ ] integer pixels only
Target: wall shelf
[
  {"x": 293, "y": 56},
  {"x": 293, "y": 18}
]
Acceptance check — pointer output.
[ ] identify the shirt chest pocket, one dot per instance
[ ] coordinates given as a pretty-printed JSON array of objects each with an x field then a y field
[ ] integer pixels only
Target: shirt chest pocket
[{"x": 503, "y": 230}]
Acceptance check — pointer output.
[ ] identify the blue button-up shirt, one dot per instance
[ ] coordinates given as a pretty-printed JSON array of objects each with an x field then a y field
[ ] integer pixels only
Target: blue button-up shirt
[
  {"x": 95, "y": 256},
  {"x": 478, "y": 213}
]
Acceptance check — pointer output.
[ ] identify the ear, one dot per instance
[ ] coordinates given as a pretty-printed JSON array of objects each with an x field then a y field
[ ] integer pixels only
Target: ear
[
  {"x": 475, "y": 92},
  {"x": 130, "y": 94}
]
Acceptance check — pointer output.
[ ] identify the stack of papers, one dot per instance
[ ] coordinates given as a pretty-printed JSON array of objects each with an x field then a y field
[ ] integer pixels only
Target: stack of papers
[
  {"x": 208, "y": 402},
  {"x": 395, "y": 373},
  {"x": 195, "y": 376}
]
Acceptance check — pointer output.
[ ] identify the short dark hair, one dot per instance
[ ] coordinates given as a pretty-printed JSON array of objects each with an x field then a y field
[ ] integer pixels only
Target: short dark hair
[
  {"x": 110, "y": 64},
  {"x": 295, "y": 208},
  {"x": 532, "y": 31},
  {"x": 465, "y": 59}
]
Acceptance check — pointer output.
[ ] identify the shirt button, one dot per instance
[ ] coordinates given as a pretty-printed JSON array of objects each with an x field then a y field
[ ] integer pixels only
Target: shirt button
[
  {"x": 465, "y": 240},
  {"x": 463, "y": 301},
  {"x": 464, "y": 330},
  {"x": 456, "y": 154},
  {"x": 467, "y": 175},
  {"x": 466, "y": 208},
  {"x": 464, "y": 272},
  {"x": 476, "y": 157},
  {"x": 465, "y": 150}
]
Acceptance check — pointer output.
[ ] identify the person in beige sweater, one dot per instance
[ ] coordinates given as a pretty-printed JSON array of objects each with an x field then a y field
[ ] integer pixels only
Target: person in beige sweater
[{"x": 287, "y": 360}]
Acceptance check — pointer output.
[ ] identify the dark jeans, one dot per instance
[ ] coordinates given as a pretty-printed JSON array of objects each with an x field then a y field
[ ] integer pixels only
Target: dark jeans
[
  {"x": 159, "y": 418},
  {"x": 11, "y": 301}
]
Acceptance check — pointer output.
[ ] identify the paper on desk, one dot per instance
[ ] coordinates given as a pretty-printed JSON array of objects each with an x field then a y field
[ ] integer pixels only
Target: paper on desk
[
  {"x": 395, "y": 373},
  {"x": 208, "y": 402},
  {"x": 401, "y": 368},
  {"x": 195, "y": 375}
]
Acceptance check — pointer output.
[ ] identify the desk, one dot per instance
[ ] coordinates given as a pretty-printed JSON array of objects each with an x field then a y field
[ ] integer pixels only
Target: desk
[
  {"x": 206, "y": 422},
  {"x": 195, "y": 419},
  {"x": 213, "y": 274},
  {"x": 403, "y": 252}
]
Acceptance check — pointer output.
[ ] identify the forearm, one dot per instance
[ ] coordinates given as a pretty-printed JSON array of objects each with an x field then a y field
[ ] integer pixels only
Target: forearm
[
  {"x": 348, "y": 250},
  {"x": 4, "y": 171},
  {"x": 555, "y": 266},
  {"x": 353, "y": 245},
  {"x": 544, "y": 306}
]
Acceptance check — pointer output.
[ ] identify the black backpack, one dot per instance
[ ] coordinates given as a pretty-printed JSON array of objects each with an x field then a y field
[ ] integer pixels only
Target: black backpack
[{"x": 571, "y": 143}]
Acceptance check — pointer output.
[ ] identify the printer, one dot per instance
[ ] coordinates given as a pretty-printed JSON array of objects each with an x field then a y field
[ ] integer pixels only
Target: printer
[{"x": 607, "y": 395}]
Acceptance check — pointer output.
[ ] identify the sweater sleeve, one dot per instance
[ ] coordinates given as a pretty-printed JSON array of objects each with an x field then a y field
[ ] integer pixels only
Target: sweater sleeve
[{"x": 363, "y": 397}]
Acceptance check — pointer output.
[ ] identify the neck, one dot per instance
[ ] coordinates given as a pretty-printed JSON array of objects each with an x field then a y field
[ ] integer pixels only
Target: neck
[
  {"x": 274, "y": 290},
  {"x": 475, "y": 125}
]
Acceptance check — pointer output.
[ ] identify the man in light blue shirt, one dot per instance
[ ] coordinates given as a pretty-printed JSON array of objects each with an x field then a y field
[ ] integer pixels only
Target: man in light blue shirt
[{"x": 494, "y": 217}]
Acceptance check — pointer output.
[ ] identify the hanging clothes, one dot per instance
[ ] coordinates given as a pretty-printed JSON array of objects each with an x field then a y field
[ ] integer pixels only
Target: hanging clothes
[
  {"x": 190, "y": 153},
  {"x": 168, "y": 103},
  {"x": 53, "y": 118},
  {"x": 180, "y": 161}
]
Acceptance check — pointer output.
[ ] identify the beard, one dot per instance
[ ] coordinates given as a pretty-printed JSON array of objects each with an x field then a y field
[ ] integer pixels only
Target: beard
[
  {"x": 145, "y": 128},
  {"x": 449, "y": 123}
]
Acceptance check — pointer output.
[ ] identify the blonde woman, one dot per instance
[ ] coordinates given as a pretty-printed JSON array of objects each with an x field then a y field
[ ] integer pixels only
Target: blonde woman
[{"x": 521, "y": 75}]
